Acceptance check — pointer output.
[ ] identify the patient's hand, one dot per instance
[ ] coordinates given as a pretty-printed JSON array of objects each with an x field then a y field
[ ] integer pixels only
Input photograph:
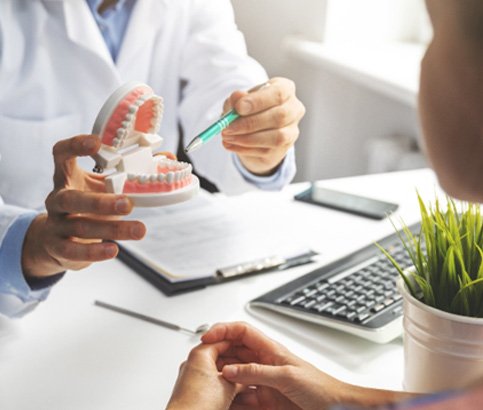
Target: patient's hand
[
  {"x": 81, "y": 219},
  {"x": 280, "y": 379},
  {"x": 200, "y": 385}
]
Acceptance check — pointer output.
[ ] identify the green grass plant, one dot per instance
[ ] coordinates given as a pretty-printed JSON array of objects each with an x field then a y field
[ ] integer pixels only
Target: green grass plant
[{"x": 447, "y": 255}]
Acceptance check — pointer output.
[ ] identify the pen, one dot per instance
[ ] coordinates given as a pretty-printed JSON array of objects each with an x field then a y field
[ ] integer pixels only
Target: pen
[
  {"x": 218, "y": 126},
  {"x": 266, "y": 264}
]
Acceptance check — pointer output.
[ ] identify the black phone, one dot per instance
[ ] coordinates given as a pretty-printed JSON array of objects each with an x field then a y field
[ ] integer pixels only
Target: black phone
[{"x": 342, "y": 201}]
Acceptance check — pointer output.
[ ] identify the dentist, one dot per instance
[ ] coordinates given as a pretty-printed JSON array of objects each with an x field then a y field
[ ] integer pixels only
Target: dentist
[{"x": 59, "y": 60}]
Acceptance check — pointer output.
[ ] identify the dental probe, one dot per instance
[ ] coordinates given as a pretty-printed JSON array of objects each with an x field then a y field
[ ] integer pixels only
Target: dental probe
[{"x": 198, "y": 331}]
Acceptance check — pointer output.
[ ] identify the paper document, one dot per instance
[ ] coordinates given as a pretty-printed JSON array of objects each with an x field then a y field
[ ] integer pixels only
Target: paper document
[{"x": 194, "y": 239}]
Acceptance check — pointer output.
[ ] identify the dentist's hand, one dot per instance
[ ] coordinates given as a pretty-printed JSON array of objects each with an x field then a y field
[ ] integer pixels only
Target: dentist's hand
[
  {"x": 268, "y": 126},
  {"x": 81, "y": 219}
]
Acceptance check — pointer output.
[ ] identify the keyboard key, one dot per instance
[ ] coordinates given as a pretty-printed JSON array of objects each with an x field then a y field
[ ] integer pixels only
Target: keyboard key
[
  {"x": 388, "y": 302},
  {"x": 359, "y": 308},
  {"x": 309, "y": 292},
  {"x": 322, "y": 306},
  {"x": 362, "y": 317},
  {"x": 351, "y": 303},
  {"x": 368, "y": 292},
  {"x": 378, "y": 308},
  {"x": 370, "y": 303},
  {"x": 342, "y": 313},
  {"x": 350, "y": 314},
  {"x": 341, "y": 299},
  {"x": 349, "y": 293},
  {"x": 296, "y": 301},
  {"x": 334, "y": 309},
  {"x": 322, "y": 285},
  {"x": 329, "y": 292},
  {"x": 389, "y": 293},
  {"x": 307, "y": 304}
]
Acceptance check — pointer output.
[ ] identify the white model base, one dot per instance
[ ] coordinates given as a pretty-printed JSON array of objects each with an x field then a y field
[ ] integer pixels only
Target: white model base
[{"x": 166, "y": 198}]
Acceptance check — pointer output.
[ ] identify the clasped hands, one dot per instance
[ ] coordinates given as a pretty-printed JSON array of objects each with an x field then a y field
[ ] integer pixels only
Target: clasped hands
[{"x": 236, "y": 367}]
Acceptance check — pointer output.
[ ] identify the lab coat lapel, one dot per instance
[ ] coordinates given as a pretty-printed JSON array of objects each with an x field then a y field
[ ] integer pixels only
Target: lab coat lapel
[
  {"x": 82, "y": 29},
  {"x": 136, "y": 51}
]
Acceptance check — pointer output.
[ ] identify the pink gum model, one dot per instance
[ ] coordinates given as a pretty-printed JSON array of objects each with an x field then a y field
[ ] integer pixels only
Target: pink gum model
[{"x": 127, "y": 126}]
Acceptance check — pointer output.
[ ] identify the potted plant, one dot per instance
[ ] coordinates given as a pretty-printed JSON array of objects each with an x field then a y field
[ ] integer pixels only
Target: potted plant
[{"x": 443, "y": 298}]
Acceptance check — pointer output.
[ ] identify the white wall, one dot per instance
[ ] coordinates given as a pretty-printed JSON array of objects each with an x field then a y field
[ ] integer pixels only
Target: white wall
[
  {"x": 266, "y": 23},
  {"x": 376, "y": 20},
  {"x": 345, "y": 123},
  {"x": 342, "y": 118}
]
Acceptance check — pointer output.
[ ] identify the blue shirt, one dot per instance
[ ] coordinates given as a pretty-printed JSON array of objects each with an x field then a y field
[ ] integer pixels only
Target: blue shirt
[
  {"x": 112, "y": 23},
  {"x": 13, "y": 286}
]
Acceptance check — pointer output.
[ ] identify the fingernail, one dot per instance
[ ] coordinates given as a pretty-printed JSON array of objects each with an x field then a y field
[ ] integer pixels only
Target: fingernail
[
  {"x": 230, "y": 371},
  {"x": 122, "y": 205},
  {"x": 245, "y": 107},
  {"x": 137, "y": 231},
  {"x": 110, "y": 250}
]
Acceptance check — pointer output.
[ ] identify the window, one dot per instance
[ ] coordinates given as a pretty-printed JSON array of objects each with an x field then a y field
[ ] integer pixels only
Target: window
[{"x": 377, "y": 21}]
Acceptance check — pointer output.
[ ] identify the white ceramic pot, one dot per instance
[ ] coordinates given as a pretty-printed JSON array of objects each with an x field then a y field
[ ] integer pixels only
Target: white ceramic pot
[{"x": 441, "y": 350}]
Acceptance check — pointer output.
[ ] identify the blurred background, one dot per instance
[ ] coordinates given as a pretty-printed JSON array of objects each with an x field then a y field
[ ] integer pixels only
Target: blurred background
[{"x": 356, "y": 67}]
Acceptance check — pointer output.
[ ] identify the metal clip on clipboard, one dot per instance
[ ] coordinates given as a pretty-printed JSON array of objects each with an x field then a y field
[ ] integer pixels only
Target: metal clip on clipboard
[{"x": 264, "y": 265}]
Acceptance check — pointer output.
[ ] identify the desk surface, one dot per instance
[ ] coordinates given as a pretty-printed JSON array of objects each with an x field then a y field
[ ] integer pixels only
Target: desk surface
[{"x": 69, "y": 354}]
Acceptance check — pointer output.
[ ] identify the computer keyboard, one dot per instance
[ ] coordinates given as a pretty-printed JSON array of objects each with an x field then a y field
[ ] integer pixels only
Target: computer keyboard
[{"x": 356, "y": 294}]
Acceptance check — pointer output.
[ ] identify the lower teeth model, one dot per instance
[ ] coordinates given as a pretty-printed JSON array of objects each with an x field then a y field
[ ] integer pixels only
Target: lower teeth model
[{"x": 127, "y": 125}]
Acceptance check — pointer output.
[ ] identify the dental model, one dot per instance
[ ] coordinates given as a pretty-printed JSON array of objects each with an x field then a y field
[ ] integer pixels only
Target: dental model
[{"x": 127, "y": 125}]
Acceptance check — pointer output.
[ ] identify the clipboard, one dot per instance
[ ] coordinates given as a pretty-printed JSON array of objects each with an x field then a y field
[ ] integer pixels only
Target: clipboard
[
  {"x": 214, "y": 239},
  {"x": 222, "y": 275}
]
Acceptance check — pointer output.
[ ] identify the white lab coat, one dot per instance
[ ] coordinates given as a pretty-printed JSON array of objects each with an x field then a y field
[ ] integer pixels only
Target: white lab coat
[{"x": 56, "y": 72}]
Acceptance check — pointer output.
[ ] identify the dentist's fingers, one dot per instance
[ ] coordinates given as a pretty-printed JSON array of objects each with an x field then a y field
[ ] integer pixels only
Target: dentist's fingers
[
  {"x": 65, "y": 153},
  {"x": 86, "y": 228},
  {"x": 276, "y": 93},
  {"x": 276, "y": 117},
  {"x": 281, "y": 137},
  {"x": 72, "y": 201},
  {"x": 75, "y": 255}
]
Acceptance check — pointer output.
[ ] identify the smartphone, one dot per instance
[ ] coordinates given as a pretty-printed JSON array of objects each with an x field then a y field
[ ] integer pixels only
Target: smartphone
[{"x": 342, "y": 201}]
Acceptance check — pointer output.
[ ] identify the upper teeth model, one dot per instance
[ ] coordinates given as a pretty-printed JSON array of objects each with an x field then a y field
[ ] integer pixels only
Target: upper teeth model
[{"x": 127, "y": 126}]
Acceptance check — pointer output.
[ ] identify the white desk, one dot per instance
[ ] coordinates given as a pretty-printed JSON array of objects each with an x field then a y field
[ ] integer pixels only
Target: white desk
[{"x": 69, "y": 354}]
